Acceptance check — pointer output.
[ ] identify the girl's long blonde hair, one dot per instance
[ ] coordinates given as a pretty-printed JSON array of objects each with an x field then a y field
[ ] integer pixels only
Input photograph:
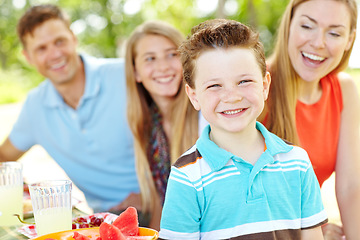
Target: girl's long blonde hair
[
  {"x": 281, "y": 104},
  {"x": 184, "y": 118}
]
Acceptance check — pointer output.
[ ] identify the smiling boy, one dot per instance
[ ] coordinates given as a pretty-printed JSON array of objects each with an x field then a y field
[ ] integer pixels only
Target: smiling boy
[{"x": 239, "y": 181}]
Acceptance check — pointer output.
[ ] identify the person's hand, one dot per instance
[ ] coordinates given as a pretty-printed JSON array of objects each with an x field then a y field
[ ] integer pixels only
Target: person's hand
[
  {"x": 332, "y": 231},
  {"x": 133, "y": 200}
]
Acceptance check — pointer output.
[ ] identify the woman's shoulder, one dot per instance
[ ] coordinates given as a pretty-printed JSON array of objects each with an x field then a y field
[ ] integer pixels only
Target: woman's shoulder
[
  {"x": 347, "y": 82},
  {"x": 345, "y": 79},
  {"x": 349, "y": 88}
]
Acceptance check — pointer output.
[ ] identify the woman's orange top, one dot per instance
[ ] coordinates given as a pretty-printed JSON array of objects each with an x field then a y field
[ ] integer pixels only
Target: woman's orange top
[{"x": 318, "y": 127}]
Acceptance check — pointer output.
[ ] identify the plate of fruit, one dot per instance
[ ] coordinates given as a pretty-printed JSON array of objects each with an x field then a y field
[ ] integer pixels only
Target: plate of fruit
[
  {"x": 88, "y": 221},
  {"x": 94, "y": 227}
]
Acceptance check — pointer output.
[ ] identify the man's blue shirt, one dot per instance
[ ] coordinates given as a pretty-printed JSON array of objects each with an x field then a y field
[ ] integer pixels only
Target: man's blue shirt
[{"x": 93, "y": 143}]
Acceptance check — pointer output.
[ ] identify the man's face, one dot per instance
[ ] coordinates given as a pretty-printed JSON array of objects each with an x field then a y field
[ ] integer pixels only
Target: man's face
[{"x": 51, "y": 48}]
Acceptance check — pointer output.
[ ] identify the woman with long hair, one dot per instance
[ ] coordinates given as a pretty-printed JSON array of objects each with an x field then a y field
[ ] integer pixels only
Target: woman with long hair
[
  {"x": 313, "y": 103},
  {"x": 162, "y": 120}
]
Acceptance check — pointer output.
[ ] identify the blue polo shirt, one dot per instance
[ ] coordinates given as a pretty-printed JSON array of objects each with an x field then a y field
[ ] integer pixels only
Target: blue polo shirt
[
  {"x": 93, "y": 143},
  {"x": 213, "y": 194}
]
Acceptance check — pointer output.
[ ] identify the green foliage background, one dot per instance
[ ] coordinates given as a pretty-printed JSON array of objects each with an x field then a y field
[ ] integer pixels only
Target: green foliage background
[{"x": 17, "y": 77}]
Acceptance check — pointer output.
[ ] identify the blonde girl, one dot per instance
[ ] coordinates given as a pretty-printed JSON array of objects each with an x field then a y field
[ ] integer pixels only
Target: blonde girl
[{"x": 163, "y": 122}]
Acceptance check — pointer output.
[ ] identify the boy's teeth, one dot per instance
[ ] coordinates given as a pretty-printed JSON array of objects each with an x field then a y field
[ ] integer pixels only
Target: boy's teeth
[
  {"x": 232, "y": 112},
  {"x": 313, "y": 57}
]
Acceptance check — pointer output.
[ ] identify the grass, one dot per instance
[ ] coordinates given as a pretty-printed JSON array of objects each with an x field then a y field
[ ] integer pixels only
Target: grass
[
  {"x": 14, "y": 85},
  {"x": 355, "y": 73}
]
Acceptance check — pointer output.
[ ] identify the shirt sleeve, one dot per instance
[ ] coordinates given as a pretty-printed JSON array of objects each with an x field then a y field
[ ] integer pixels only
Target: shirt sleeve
[
  {"x": 181, "y": 212},
  {"x": 21, "y": 136},
  {"x": 312, "y": 210}
]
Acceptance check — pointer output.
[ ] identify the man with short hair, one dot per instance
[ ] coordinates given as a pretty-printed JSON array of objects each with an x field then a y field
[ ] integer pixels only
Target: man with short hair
[{"x": 78, "y": 114}]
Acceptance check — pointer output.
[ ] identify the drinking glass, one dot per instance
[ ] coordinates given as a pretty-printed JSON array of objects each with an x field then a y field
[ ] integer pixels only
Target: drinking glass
[
  {"x": 11, "y": 193},
  {"x": 52, "y": 207}
]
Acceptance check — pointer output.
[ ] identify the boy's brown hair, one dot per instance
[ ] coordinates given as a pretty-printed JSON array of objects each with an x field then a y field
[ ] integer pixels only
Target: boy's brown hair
[
  {"x": 37, "y": 15},
  {"x": 218, "y": 34}
]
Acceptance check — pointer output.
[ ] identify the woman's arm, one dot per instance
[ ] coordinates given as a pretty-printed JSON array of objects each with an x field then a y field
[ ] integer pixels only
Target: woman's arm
[{"x": 347, "y": 171}]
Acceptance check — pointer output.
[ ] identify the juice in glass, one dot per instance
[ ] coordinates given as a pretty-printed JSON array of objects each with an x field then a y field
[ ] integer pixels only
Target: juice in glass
[
  {"x": 11, "y": 193},
  {"x": 10, "y": 203},
  {"x": 51, "y": 201},
  {"x": 50, "y": 220}
]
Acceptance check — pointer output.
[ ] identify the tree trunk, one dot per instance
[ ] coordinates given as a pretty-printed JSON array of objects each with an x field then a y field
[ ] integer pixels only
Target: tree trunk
[
  {"x": 220, "y": 12},
  {"x": 252, "y": 14}
]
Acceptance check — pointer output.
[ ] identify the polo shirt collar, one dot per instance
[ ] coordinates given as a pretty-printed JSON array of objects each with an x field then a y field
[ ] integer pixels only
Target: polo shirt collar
[
  {"x": 52, "y": 97},
  {"x": 274, "y": 144},
  {"x": 217, "y": 157}
]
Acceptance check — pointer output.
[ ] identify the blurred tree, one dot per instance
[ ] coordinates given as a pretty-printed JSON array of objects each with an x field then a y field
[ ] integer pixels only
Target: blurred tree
[
  {"x": 8, "y": 39},
  {"x": 102, "y": 26},
  {"x": 262, "y": 15}
]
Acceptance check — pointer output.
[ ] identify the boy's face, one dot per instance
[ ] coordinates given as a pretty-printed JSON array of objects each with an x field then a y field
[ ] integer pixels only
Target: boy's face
[
  {"x": 229, "y": 89},
  {"x": 51, "y": 48}
]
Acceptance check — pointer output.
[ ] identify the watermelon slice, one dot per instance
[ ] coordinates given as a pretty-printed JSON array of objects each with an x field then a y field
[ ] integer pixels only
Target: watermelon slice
[
  {"x": 128, "y": 222},
  {"x": 110, "y": 232},
  {"x": 79, "y": 236}
]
